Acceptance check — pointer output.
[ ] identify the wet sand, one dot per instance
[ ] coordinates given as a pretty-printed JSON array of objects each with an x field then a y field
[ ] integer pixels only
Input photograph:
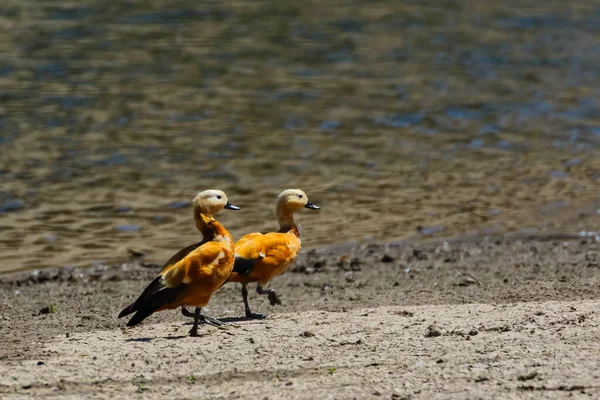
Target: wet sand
[{"x": 502, "y": 317}]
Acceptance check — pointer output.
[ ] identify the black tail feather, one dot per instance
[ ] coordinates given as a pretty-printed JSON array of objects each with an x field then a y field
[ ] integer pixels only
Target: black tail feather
[
  {"x": 127, "y": 310},
  {"x": 140, "y": 316},
  {"x": 156, "y": 285},
  {"x": 150, "y": 289},
  {"x": 154, "y": 297}
]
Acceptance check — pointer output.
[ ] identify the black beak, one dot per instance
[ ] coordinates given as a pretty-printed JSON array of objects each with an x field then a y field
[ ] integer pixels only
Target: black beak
[
  {"x": 230, "y": 206},
  {"x": 312, "y": 206}
]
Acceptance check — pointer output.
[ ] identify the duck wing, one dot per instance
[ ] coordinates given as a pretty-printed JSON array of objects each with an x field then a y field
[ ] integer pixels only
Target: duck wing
[
  {"x": 174, "y": 282},
  {"x": 181, "y": 254},
  {"x": 270, "y": 250}
]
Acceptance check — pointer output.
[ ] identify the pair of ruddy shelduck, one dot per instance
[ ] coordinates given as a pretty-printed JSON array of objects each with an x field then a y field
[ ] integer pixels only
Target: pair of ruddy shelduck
[{"x": 193, "y": 274}]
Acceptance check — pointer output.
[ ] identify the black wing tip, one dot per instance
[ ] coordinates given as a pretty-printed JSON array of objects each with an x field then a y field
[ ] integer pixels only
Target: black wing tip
[
  {"x": 243, "y": 266},
  {"x": 141, "y": 315},
  {"x": 135, "y": 306},
  {"x": 152, "y": 301},
  {"x": 126, "y": 311},
  {"x": 134, "y": 321}
]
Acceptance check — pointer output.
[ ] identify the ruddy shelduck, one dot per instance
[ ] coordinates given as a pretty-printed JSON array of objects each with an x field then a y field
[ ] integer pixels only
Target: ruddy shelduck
[
  {"x": 193, "y": 274},
  {"x": 259, "y": 257}
]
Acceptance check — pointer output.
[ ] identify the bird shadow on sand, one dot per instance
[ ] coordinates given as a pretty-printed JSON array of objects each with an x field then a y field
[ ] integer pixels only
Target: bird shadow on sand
[
  {"x": 148, "y": 340},
  {"x": 141, "y": 339},
  {"x": 226, "y": 321},
  {"x": 230, "y": 320},
  {"x": 175, "y": 337}
]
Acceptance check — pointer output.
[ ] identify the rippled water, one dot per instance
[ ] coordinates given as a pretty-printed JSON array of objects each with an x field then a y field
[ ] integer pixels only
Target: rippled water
[{"x": 401, "y": 119}]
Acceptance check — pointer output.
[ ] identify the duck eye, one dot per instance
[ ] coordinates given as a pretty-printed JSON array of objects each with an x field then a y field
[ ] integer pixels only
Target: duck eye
[
  {"x": 300, "y": 195},
  {"x": 219, "y": 196}
]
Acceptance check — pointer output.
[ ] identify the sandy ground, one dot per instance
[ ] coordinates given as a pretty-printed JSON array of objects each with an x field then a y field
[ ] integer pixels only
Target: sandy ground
[
  {"x": 511, "y": 317},
  {"x": 524, "y": 350}
]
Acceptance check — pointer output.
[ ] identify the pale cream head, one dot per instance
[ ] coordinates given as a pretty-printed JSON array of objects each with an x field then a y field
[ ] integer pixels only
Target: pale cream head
[
  {"x": 212, "y": 201},
  {"x": 294, "y": 199}
]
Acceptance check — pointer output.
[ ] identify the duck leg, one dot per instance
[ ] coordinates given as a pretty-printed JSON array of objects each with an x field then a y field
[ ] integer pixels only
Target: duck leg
[
  {"x": 187, "y": 313},
  {"x": 273, "y": 298},
  {"x": 249, "y": 313},
  {"x": 197, "y": 315},
  {"x": 205, "y": 319},
  {"x": 212, "y": 321}
]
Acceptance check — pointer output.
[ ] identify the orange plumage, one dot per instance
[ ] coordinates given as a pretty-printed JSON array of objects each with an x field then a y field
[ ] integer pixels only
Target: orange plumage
[
  {"x": 259, "y": 257},
  {"x": 192, "y": 275},
  {"x": 200, "y": 273},
  {"x": 271, "y": 254}
]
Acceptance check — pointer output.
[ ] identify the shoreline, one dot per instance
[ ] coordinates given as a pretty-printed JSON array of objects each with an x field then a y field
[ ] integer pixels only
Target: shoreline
[{"x": 94, "y": 271}]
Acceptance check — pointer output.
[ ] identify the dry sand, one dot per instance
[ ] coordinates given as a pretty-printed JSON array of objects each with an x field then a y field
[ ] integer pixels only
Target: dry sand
[
  {"x": 480, "y": 318},
  {"x": 520, "y": 350}
]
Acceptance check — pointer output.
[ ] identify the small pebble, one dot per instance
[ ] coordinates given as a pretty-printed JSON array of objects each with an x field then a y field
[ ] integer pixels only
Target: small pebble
[
  {"x": 386, "y": 258},
  {"x": 433, "y": 331}
]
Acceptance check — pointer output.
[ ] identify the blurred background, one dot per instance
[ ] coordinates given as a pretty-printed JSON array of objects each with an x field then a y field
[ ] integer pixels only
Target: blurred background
[{"x": 401, "y": 119}]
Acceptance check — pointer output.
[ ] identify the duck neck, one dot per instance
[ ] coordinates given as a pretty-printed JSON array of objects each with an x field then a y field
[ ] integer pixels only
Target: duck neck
[
  {"x": 285, "y": 217},
  {"x": 210, "y": 228}
]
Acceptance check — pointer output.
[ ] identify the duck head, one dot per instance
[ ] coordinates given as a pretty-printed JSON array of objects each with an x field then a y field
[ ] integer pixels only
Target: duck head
[
  {"x": 291, "y": 200},
  {"x": 212, "y": 201}
]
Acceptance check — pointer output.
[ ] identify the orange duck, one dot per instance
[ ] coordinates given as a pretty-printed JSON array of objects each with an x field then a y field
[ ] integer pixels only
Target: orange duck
[
  {"x": 192, "y": 275},
  {"x": 259, "y": 257}
]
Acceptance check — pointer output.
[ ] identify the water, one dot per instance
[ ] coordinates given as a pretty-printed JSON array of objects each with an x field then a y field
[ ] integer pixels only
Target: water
[{"x": 391, "y": 116}]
